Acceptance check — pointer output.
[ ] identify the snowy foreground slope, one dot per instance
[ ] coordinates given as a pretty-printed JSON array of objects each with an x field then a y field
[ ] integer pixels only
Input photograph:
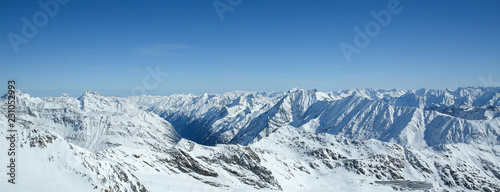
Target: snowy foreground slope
[{"x": 300, "y": 140}]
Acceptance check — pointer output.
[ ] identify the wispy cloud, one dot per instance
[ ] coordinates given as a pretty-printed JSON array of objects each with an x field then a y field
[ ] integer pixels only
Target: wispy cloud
[
  {"x": 159, "y": 49},
  {"x": 95, "y": 68},
  {"x": 40, "y": 66}
]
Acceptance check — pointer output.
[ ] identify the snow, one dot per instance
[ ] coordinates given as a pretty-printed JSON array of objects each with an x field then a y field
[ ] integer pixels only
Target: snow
[
  {"x": 36, "y": 172},
  {"x": 300, "y": 140}
]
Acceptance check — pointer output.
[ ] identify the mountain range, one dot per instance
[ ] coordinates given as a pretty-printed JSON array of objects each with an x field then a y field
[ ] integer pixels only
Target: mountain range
[{"x": 299, "y": 140}]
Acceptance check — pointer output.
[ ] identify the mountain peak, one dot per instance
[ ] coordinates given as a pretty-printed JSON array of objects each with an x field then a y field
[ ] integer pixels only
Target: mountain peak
[
  {"x": 295, "y": 89},
  {"x": 90, "y": 94}
]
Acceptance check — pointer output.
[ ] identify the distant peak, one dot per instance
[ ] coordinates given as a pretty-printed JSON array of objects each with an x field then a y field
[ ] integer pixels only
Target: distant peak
[
  {"x": 295, "y": 89},
  {"x": 87, "y": 94}
]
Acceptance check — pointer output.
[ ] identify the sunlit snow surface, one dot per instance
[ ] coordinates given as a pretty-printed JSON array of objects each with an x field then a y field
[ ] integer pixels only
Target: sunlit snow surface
[{"x": 300, "y": 140}]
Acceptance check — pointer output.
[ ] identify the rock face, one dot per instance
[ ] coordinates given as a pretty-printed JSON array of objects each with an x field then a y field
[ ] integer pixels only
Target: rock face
[{"x": 354, "y": 140}]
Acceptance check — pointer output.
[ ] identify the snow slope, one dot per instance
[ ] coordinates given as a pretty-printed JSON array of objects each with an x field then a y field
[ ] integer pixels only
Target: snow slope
[{"x": 95, "y": 122}]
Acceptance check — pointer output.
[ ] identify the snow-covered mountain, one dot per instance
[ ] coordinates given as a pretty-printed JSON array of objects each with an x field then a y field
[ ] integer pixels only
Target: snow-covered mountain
[
  {"x": 300, "y": 140},
  {"x": 411, "y": 118},
  {"x": 95, "y": 122}
]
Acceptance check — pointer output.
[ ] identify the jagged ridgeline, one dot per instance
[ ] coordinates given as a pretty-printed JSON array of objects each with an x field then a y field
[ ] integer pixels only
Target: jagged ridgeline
[
  {"x": 300, "y": 140},
  {"x": 413, "y": 118}
]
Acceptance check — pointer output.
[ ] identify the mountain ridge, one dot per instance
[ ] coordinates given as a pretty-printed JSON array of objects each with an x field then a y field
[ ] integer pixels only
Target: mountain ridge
[{"x": 215, "y": 110}]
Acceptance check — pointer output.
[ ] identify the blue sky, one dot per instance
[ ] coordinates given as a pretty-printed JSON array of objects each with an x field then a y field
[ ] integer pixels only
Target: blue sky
[{"x": 260, "y": 45}]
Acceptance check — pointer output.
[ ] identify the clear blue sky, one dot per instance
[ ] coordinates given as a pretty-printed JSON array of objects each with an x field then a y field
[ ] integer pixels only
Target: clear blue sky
[{"x": 260, "y": 45}]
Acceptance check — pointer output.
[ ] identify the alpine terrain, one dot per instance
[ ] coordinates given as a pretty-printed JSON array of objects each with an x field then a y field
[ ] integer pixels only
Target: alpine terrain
[{"x": 299, "y": 140}]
